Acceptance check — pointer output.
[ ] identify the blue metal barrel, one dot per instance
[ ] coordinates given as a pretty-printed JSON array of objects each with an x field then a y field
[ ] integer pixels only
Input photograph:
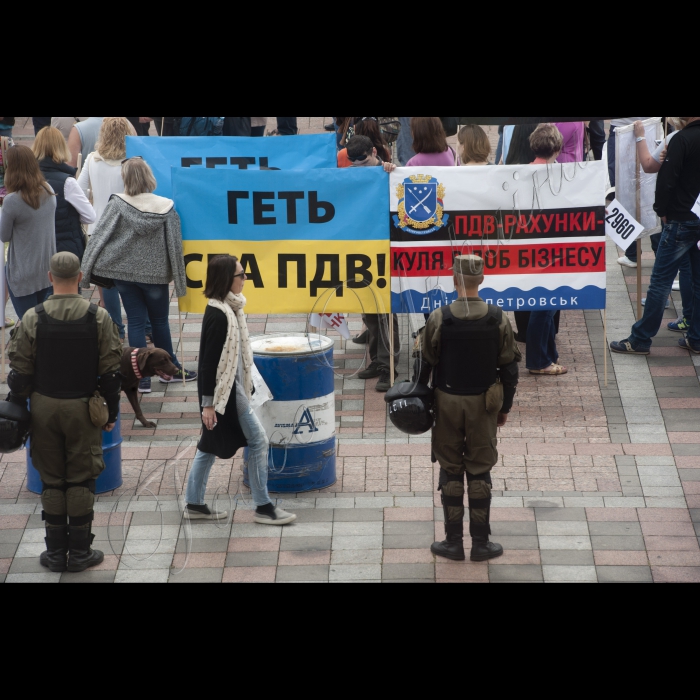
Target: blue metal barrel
[
  {"x": 300, "y": 421},
  {"x": 111, "y": 477}
]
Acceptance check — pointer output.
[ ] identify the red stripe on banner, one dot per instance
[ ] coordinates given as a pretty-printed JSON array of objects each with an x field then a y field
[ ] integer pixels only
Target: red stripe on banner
[{"x": 550, "y": 258}]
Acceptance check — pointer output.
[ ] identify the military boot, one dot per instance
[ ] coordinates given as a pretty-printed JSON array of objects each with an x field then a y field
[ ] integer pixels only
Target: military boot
[
  {"x": 453, "y": 547},
  {"x": 82, "y": 557},
  {"x": 55, "y": 559},
  {"x": 483, "y": 550}
]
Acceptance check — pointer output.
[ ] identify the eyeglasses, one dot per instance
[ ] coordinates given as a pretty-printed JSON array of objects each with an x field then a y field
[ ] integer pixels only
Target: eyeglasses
[
  {"x": 132, "y": 158},
  {"x": 242, "y": 276},
  {"x": 359, "y": 159}
]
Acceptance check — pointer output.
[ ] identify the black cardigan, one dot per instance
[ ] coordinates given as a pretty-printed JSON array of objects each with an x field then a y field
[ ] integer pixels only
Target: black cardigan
[{"x": 227, "y": 438}]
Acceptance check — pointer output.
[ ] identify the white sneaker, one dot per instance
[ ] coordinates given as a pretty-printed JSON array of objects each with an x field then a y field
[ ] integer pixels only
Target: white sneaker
[
  {"x": 676, "y": 286},
  {"x": 279, "y": 518},
  {"x": 626, "y": 262}
]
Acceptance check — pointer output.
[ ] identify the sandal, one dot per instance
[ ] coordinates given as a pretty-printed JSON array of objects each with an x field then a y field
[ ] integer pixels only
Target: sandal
[{"x": 553, "y": 371}]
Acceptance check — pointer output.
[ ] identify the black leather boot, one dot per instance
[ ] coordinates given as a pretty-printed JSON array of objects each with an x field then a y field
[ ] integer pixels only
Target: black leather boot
[
  {"x": 81, "y": 556},
  {"x": 55, "y": 559},
  {"x": 453, "y": 547},
  {"x": 483, "y": 550}
]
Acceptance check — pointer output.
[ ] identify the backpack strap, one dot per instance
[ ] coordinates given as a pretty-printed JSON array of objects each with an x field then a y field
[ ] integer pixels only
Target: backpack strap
[
  {"x": 495, "y": 315},
  {"x": 447, "y": 316},
  {"x": 41, "y": 313},
  {"x": 92, "y": 313}
]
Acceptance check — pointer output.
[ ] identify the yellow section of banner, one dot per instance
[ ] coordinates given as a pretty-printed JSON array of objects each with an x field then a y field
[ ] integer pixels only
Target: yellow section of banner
[{"x": 298, "y": 277}]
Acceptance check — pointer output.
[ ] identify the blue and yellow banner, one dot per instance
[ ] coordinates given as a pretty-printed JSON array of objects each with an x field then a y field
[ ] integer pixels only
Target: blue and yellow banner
[
  {"x": 316, "y": 241},
  {"x": 216, "y": 152}
]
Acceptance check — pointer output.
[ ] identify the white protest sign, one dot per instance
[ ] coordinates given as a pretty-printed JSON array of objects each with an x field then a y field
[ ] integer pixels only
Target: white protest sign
[
  {"x": 696, "y": 208},
  {"x": 621, "y": 226},
  {"x": 262, "y": 391}
]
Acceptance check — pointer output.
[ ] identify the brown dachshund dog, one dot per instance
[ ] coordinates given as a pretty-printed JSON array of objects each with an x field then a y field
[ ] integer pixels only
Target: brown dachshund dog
[{"x": 150, "y": 362}]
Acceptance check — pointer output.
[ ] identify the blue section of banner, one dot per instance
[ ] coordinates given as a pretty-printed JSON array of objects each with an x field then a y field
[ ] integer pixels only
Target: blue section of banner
[
  {"x": 314, "y": 205},
  {"x": 511, "y": 300},
  {"x": 207, "y": 152}
]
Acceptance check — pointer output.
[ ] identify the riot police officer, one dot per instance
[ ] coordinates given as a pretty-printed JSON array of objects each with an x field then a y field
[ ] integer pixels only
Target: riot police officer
[
  {"x": 470, "y": 349},
  {"x": 62, "y": 353}
]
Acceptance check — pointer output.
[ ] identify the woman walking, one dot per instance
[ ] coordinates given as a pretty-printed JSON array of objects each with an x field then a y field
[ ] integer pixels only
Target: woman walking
[
  {"x": 138, "y": 244},
  {"x": 28, "y": 224},
  {"x": 225, "y": 384},
  {"x": 72, "y": 206},
  {"x": 101, "y": 177}
]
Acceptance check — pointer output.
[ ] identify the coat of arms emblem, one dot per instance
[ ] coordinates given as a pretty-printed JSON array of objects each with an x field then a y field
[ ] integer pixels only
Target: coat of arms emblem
[{"x": 421, "y": 205}]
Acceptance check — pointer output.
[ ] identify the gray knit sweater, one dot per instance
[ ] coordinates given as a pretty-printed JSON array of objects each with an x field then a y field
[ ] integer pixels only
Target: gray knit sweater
[
  {"x": 31, "y": 234},
  {"x": 138, "y": 239}
]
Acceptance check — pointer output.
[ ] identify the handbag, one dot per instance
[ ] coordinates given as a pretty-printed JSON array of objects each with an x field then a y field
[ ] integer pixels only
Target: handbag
[{"x": 99, "y": 411}]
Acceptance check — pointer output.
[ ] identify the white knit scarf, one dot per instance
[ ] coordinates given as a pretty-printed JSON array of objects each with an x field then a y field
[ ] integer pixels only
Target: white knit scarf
[{"x": 228, "y": 365}]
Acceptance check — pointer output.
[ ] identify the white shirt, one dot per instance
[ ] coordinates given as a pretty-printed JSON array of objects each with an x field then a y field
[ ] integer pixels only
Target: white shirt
[
  {"x": 102, "y": 178},
  {"x": 77, "y": 199}
]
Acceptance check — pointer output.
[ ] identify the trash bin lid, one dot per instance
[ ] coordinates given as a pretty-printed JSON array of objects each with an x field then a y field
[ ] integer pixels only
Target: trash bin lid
[{"x": 291, "y": 345}]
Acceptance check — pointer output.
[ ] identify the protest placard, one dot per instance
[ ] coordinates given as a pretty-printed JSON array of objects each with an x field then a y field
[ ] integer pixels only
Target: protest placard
[
  {"x": 300, "y": 153},
  {"x": 315, "y": 241},
  {"x": 540, "y": 229}
]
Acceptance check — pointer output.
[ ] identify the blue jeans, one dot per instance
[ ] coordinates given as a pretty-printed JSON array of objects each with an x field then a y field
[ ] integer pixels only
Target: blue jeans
[
  {"x": 258, "y": 448},
  {"x": 542, "y": 340},
  {"x": 24, "y": 304},
  {"x": 404, "y": 145},
  {"x": 679, "y": 242},
  {"x": 113, "y": 306},
  {"x": 144, "y": 301}
]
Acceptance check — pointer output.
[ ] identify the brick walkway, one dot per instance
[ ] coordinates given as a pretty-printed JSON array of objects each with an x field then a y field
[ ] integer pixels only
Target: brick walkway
[{"x": 594, "y": 484}]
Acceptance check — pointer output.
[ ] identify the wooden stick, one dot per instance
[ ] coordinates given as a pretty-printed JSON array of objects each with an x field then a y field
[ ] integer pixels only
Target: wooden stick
[
  {"x": 162, "y": 127},
  {"x": 605, "y": 342},
  {"x": 638, "y": 188},
  {"x": 182, "y": 344},
  {"x": 392, "y": 359},
  {"x": 3, "y": 376}
]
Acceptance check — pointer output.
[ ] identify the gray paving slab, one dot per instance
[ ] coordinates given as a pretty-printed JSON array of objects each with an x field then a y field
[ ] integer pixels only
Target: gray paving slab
[
  {"x": 408, "y": 541},
  {"x": 203, "y": 546},
  {"x": 625, "y": 574},
  {"x": 302, "y": 573},
  {"x": 567, "y": 557},
  {"x": 150, "y": 576},
  {"x": 695, "y": 515},
  {"x": 519, "y": 543},
  {"x": 562, "y": 528},
  {"x": 33, "y": 578},
  {"x": 11, "y": 536},
  {"x": 343, "y": 557},
  {"x": 409, "y": 529},
  {"x": 372, "y": 542},
  {"x": 359, "y": 515},
  {"x": 618, "y": 544},
  {"x": 358, "y": 529},
  {"x": 515, "y": 573},
  {"x": 570, "y": 574},
  {"x": 616, "y": 529},
  {"x": 514, "y": 529},
  {"x": 90, "y": 577},
  {"x": 241, "y": 559},
  {"x": 198, "y": 576},
  {"x": 565, "y": 514},
  {"x": 352, "y": 573},
  {"x": 408, "y": 572},
  {"x": 577, "y": 542},
  {"x": 689, "y": 474},
  {"x": 306, "y": 544},
  {"x": 27, "y": 566}
]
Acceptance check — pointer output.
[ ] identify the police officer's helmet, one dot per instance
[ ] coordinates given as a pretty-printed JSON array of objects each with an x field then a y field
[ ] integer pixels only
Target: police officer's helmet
[
  {"x": 15, "y": 421},
  {"x": 411, "y": 408}
]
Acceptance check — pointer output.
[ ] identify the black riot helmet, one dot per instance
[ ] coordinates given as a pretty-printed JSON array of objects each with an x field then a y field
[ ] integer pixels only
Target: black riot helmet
[
  {"x": 411, "y": 408},
  {"x": 15, "y": 421}
]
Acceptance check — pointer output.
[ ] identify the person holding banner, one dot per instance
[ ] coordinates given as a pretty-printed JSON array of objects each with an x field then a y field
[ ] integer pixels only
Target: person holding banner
[
  {"x": 363, "y": 154},
  {"x": 225, "y": 388},
  {"x": 137, "y": 246},
  {"x": 678, "y": 206}
]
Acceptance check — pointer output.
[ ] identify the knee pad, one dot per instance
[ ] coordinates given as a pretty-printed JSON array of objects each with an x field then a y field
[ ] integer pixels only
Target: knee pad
[
  {"x": 451, "y": 485},
  {"x": 80, "y": 501},
  {"x": 53, "y": 501}
]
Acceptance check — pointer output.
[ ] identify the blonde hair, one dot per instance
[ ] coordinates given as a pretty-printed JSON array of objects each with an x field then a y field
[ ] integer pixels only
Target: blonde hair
[
  {"x": 476, "y": 147},
  {"x": 138, "y": 177},
  {"x": 546, "y": 141},
  {"x": 51, "y": 144},
  {"x": 680, "y": 122},
  {"x": 112, "y": 141}
]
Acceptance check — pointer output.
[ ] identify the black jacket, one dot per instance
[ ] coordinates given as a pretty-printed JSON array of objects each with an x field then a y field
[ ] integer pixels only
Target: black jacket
[
  {"x": 69, "y": 232},
  {"x": 8, "y": 121},
  {"x": 227, "y": 438},
  {"x": 678, "y": 185}
]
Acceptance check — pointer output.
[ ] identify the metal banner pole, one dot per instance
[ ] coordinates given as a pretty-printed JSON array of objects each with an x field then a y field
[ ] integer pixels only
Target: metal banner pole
[
  {"x": 638, "y": 188},
  {"x": 182, "y": 345},
  {"x": 605, "y": 342}
]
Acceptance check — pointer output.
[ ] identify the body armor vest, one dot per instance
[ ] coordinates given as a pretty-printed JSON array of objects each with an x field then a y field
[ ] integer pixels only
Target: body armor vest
[
  {"x": 469, "y": 353},
  {"x": 67, "y": 356}
]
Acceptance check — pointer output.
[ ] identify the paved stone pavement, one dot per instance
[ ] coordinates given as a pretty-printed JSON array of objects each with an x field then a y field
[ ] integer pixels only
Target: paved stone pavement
[{"x": 594, "y": 483}]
